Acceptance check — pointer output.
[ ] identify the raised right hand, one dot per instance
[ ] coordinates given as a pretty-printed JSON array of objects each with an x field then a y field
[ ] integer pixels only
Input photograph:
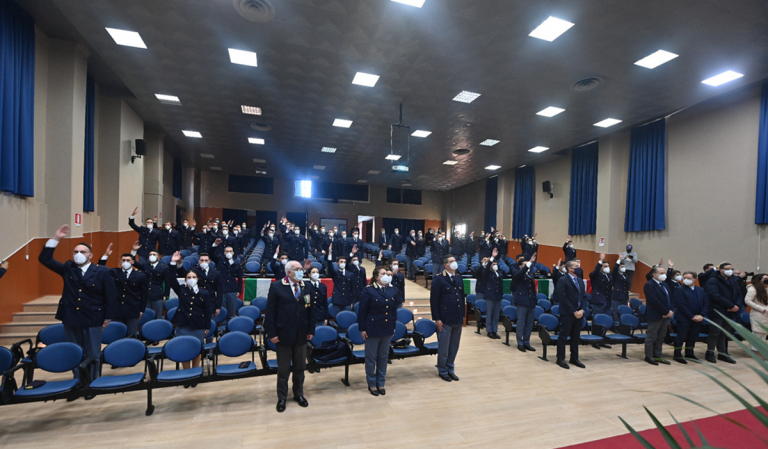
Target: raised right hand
[
  {"x": 176, "y": 257},
  {"x": 61, "y": 232},
  {"x": 136, "y": 245},
  {"x": 135, "y": 211}
]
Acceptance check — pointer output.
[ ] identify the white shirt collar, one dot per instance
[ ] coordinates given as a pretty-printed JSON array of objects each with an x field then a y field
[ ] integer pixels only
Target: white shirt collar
[
  {"x": 127, "y": 273},
  {"x": 84, "y": 268}
]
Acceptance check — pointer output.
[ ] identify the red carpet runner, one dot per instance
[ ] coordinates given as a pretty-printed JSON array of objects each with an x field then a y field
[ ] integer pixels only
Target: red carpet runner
[{"x": 718, "y": 432}]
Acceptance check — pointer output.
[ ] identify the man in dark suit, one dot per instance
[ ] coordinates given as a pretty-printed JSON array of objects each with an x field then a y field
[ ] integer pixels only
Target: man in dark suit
[
  {"x": 88, "y": 301},
  {"x": 569, "y": 250},
  {"x": 335, "y": 246},
  {"x": 690, "y": 305},
  {"x": 657, "y": 313},
  {"x": 602, "y": 284},
  {"x": 204, "y": 241},
  {"x": 231, "y": 276},
  {"x": 157, "y": 289},
  {"x": 410, "y": 253},
  {"x": 132, "y": 288},
  {"x": 447, "y": 301},
  {"x": 148, "y": 235},
  {"x": 440, "y": 249},
  {"x": 289, "y": 321},
  {"x": 278, "y": 263},
  {"x": 207, "y": 278},
  {"x": 170, "y": 239},
  {"x": 570, "y": 294},
  {"x": 709, "y": 270},
  {"x": 558, "y": 271},
  {"x": 723, "y": 296},
  {"x": 620, "y": 292}
]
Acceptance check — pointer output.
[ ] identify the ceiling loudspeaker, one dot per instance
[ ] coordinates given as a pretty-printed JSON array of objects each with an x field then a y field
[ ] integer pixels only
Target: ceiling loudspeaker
[{"x": 546, "y": 186}]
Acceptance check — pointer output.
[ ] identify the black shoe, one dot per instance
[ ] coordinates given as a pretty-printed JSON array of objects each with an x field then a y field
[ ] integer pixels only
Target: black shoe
[
  {"x": 186, "y": 386},
  {"x": 383, "y": 391},
  {"x": 577, "y": 362},
  {"x": 490, "y": 335},
  {"x": 446, "y": 377},
  {"x": 662, "y": 360},
  {"x": 596, "y": 346},
  {"x": 453, "y": 377},
  {"x": 373, "y": 392},
  {"x": 692, "y": 358},
  {"x": 725, "y": 358},
  {"x": 193, "y": 385},
  {"x": 529, "y": 348},
  {"x": 561, "y": 363},
  {"x": 281, "y": 406},
  {"x": 680, "y": 359},
  {"x": 651, "y": 361},
  {"x": 521, "y": 348},
  {"x": 89, "y": 397},
  {"x": 710, "y": 357},
  {"x": 302, "y": 402},
  {"x": 496, "y": 336}
]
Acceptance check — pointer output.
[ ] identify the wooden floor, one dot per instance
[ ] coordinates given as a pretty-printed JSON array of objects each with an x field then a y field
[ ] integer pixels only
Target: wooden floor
[{"x": 505, "y": 399}]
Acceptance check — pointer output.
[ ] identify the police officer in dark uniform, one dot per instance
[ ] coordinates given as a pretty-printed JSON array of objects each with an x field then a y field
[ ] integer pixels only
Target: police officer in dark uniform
[
  {"x": 231, "y": 277},
  {"x": 343, "y": 278},
  {"x": 377, "y": 321},
  {"x": 148, "y": 235},
  {"x": 187, "y": 233},
  {"x": 296, "y": 245},
  {"x": 360, "y": 279},
  {"x": 157, "y": 289},
  {"x": 440, "y": 249},
  {"x": 470, "y": 246},
  {"x": 170, "y": 240},
  {"x": 569, "y": 250},
  {"x": 271, "y": 241},
  {"x": 457, "y": 245},
  {"x": 602, "y": 284},
  {"x": 448, "y": 303},
  {"x": 494, "y": 291},
  {"x": 396, "y": 242},
  {"x": 207, "y": 279},
  {"x": 525, "y": 301},
  {"x": 132, "y": 291},
  {"x": 529, "y": 246},
  {"x": 319, "y": 294},
  {"x": 620, "y": 291}
]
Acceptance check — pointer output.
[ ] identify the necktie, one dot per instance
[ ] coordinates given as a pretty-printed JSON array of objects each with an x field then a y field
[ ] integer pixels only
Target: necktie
[
  {"x": 126, "y": 274},
  {"x": 296, "y": 290}
]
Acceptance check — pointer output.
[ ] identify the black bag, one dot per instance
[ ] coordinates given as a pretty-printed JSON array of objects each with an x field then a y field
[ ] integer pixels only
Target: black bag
[
  {"x": 402, "y": 343},
  {"x": 330, "y": 350}
]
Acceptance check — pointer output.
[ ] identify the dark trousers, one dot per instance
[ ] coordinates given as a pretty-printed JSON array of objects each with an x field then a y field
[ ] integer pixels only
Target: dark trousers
[
  {"x": 569, "y": 327},
  {"x": 687, "y": 334},
  {"x": 716, "y": 338},
  {"x": 629, "y": 274},
  {"x": 291, "y": 360},
  {"x": 131, "y": 323},
  {"x": 88, "y": 338}
]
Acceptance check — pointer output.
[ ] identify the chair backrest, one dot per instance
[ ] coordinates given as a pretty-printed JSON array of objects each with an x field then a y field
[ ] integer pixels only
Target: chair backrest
[
  {"x": 404, "y": 315},
  {"x": 113, "y": 332},
  {"x": 635, "y": 303},
  {"x": 425, "y": 327},
  {"x": 251, "y": 312},
  {"x": 471, "y": 298},
  {"x": 59, "y": 357},
  {"x": 52, "y": 334},
  {"x": 428, "y": 268},
  {"x": 235, "y": 343},
  {"x": 510, "y": 312},
  {"x": 252, "y": 267},
  {"x": 183, "y": 349},
  {"x": 400, "y": 331},
  {"x": 211, "y": 330},
  {"x": 480, "y": 305},
  {"x": 357, "y": 307},
  {"x": 641, "y": 309},
  {"x": 541, "y": 296},
  {"x": 604, "y": 320},
  {"x": 623, "y": 310},
  {"x": 317, "y": 265},
  {"x": 146, "y": 317},
  {"x": 157, "y": 330},
  {"x": 6, "y": 359},
  {"x": 323, "y": 334},
  {"x": 260, "y": 302},
  {"x": 418, "y": 263},
  {"x": 171, "y": 303},
  {"x": 222, "y": 316},
  {"x": 548, "y": 321},
  {"x": 124, "y": 353},
  {"x": 171, "y": 313},
  {"x": 745, "y": 318},
  {"x": 346, "y": 318},
  {"x": 241, "y": 324},
  {"x": 630, "y": 320},
  {"x": 545, "y": 304},
  {"x": 555, "y": 310},
  {"x": 354, "y": 335},
  {"x": 537, "y": 311},
  {"x": 508, "y": 297}
]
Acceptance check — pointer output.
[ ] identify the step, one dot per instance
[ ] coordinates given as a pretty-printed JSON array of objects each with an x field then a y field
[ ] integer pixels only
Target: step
[
  {"x": 27, "y": 317},
  {"x": 416, "y": 302},
  {"x": 25, "y": 327},
  {"x": 9, "y": 339},
  {"x": 44, "y": 304}
]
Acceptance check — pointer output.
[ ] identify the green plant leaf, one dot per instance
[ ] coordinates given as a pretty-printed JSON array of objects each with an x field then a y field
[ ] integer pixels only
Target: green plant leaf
[
  {"x": 673, "y": 444},
  {"x": 637, "y": 436},
  {"x": 683, "y": 431}
]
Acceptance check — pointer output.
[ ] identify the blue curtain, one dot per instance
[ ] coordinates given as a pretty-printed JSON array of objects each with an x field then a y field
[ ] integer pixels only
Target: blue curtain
[
  {"x": 299, "y": 219},
  {"x": 582, "y": 214},
  {"x": 403, "y": 225},
  {"x": 90, "y": 146},
  {"x": 646, "y": 182},
  {"x": 522, "y": 214},
  {"x": 238, "y": 216},
  {"x": 491, "y": 196},
  {"x": 761, "y": 208},
  {"x": 177, "y": 178},
  {"x": 17, "y": 99},
  {"x": 263, "y": 217}
]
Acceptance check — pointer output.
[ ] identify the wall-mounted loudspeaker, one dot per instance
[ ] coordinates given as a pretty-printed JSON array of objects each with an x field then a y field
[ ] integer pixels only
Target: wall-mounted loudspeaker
[
  {"x": 141, "y": 149},
  {"x": 546, "y": 186}
]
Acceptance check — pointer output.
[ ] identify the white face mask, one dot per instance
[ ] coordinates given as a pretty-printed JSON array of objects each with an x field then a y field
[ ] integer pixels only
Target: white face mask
[
  {"x": 356, "y": 263},
  {"x": 126, "y": 265},
  {"x": 225, "y": 232},
  {"x": 215, "y": 229},
  {"x": 678, "y": 278},
  {"x": 80, "y": 258},
  {"x": 330, "y": 234},
  {"x": 228, "y": 255},
  {"x": 354, "y": 235},
  {"x": 315, "y": 228},
  {"x": 299, "y": 274},
  {"x": 284, "y": 261},
  {"x": 570, "y": 246},
  {"x": 236, "y": 231},
  {"x": 606, "y": 270},
  {"x": 186, "y": 225},
  {"x": 205, "y": 231},
  {"x": 296, "y": 232},
  {"x": 191, "y": 282},
  {"x": 420, "y": 234},
  {"x": 495, "y": 267},
  {"x": 385, "y": 280},
  {"x": 662, "y": 277},
  {"x": 395, "y": 267},
  {"x": 343, "y": 236},
  {"x": 150, "y": 226},
  {"x": 688, "y": 282},
  {"x": 454, "y": 266},
  {"x": 272, "y": 229},
  {"x": 397, "y": 232},
  {"x": 152, "y": 259},
  {"x": 728, "y": 272},
  {"x": 622, "y": 269},
  {"x": 564, "y": 270},
  {"x": 204, "y": 265},
  {"x": 243, "y": 227},
  {"x": 271, "y": 235},
  {"x": 342, "y": 265},
  {"x": 485, "y": 264},
  {"x": 167, "y": 228},
  {"x": 315, "y": 276},
  {"x": 413, "y": 235}
]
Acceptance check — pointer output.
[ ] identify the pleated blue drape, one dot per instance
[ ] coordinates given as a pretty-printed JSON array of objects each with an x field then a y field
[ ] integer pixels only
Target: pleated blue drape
[
  {"x": 761, "y": 206},
  {"x": 522, "y": 214},
  {"x": 17, "y": 99},
  {"x": 177, "y": 182},
  {"x": 582, "y": 212},
  {"x": 90, "y": 146},
  {"x": 646, "y": 184},
  {"x": 491, "y": 196}
]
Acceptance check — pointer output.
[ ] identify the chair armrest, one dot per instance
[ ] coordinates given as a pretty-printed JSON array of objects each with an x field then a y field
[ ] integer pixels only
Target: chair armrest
[
  {"x": 418, "y": 339},
  {"x": 17, "y": 352},
  {"x": 626, "y": 329},
  {"x": 8, "y": 384},
  {"x": 85, "y": 375},
  {"x": 149, "y": 365}
]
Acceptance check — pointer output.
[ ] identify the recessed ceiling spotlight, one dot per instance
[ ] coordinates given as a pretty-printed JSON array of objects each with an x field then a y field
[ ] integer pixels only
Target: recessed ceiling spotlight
[
  {"x": 207, "y": 156},
  {"x": 362, "y": 181},
  {"x": 466, "y": 97},
  {"x": 216, "y": 168},
  {"x": 450, "y": 162},
  {"x": 256, "y": 141},
  {"x": 493, "y": 167},
  {"x": 242, "y": 57},
  {"x": 522, "y": 166},
  {"x": 489, "y": 142},
  {"x": 407, "y": 184},
  {"x": 251, "y": 110},
  {"x": 607, "y": 122},
  {"x": 168, "y": 99},
  {"x": 126, "y": 38},
  {"x": 341, "y": 123},
  {"x": 550, "y": 111},
  {"x": 551, "y": 29},
  {"x": 373, "y": 172},
  {"x": 538, "y": 149},
  {"x": 260, "y": 161},
  {"x": 722, "y": 78},
  {"x": 656, "y": 59},
  {"x": 393, "y": 157},
  {"x": 365, "y": 79},
  {"x": 416, "y": 3},
  {"x": 261, "y": 172},
  {"x": 194, "y": 134},
  {"x": 421, "y": 133},
  {"x": 319, "y": 167},
  {"x": 328, "y": 150}
]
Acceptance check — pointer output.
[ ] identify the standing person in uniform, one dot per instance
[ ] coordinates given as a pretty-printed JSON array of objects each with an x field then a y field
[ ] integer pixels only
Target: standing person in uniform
[
  {"x": 157, "y": 289},
  {"x": 87, "y": 302},
  {"x": 148, "y": 235},
  {"x": 360, "y": 279},
  {"x": 271, "y": 241},
  {"x": 493, "y": 293},
  {"x": 384, "y": 242},
  {"x": 319, "y": 294},
  {"x": 602, "y": 284},
  {"x": 571, "y": 297},
  {"x": 343, "y": 278},
  {"x": 207, "y": 279},
  {"x": 231, "y": 277},
  {"x": 690, "y": 305},
  {"x": 447, "y": 301},
  {"x": 132, "y": 288},
  {"x": 457, "y": 245},
  {"x": 470, "y": 246},
  {"x": 396, "y": 242},
  {"x": 170, "y": 239},
  {"x": 480, "y": 283},
  {"x": 440, "y": 249},
  {"x": 525, "y": 301},
  {"x": 289, "y": 321},
  {"x": 410, "y": 254},
  {"x": 376, "y": 322},
  {"x": 629, "y": 257},
  {"x": 569, "y": 250},
  {"x": 620, "y": 292},
  {"x": 186, "y": 233}
]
